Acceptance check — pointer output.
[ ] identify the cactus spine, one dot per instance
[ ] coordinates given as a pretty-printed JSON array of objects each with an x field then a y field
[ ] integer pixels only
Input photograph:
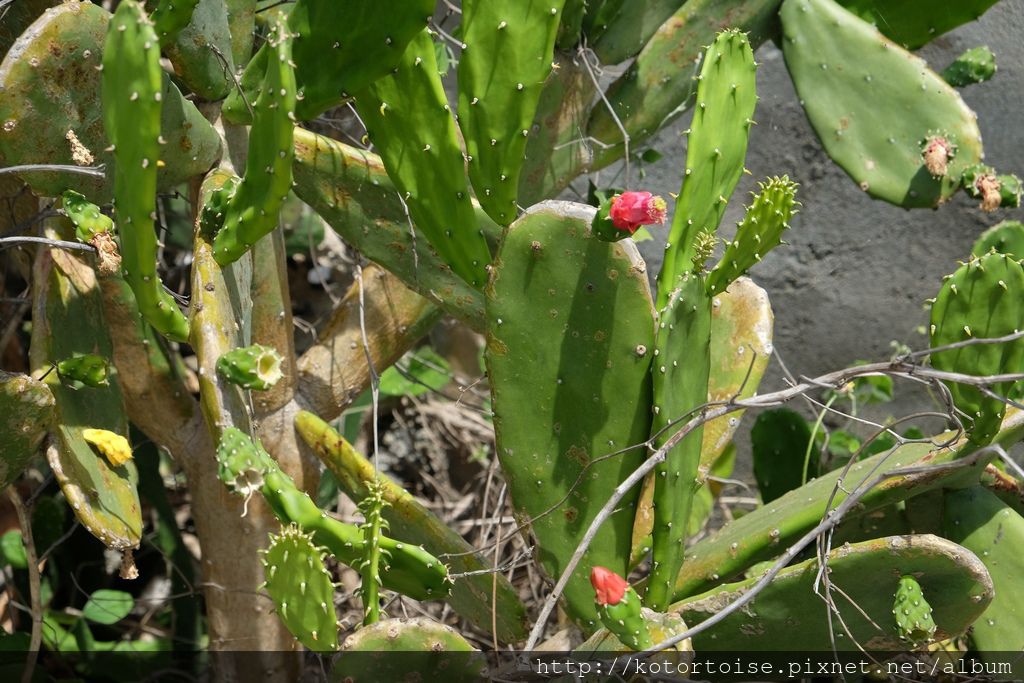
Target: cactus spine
[
  {"x": 131, "y": 115},
  {"x": 253, "y": 209}
]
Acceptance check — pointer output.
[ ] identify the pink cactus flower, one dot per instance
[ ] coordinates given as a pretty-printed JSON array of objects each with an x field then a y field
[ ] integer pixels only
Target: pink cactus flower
[
  {"x": 609, "y": 586},
  {"x": 630, "y": 210}
]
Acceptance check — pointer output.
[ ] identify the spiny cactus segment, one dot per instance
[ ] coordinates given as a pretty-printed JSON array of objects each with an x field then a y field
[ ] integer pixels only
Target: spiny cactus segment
[
  {"x": 913, "y": 614},
  {"x": 170, "y": 17},
  {"x": 759, "y": 232},
  {"x": 506, "y": 56},
  {"x": 619, "y": 608},
  {"x": 976, "y": 65},
  {"x": 252, "y": 211},
  {"x": 983, "y": 299},
  {"x": 132, "y": 94},
  {"x": 1006, "y": 237},
  {"x": 255, "y": 367},
  {"x": 373, "y": 526},
  {"x": 28, "y": 409},
  {"x": 301, "y": 588},
  {"x": 994, "y": 190},
  {"x": 426, "y": 649},
  {"x": 84, "y": 369},
  {"x": 715, "y": 152},
  {"x": 85, "y": 216}
]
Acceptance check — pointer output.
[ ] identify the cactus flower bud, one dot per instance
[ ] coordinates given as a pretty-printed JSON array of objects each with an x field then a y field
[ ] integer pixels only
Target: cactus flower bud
[
  {"x": 630, "y": 210},
  {"x": 609, "y": 586}
]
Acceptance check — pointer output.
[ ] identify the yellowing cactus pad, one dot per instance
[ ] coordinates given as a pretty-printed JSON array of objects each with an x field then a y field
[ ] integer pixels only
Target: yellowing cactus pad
[{"x": 114, "y": 447}]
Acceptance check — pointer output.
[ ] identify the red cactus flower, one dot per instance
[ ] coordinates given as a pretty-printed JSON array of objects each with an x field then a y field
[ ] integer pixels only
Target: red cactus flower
[
  {"x": 630, "y": 210},
  {"x": 609, "y": 586}
]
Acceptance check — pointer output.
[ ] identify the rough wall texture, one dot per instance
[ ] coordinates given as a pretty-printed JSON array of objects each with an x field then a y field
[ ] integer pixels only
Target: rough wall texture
[{"x": 857, "y": 271}]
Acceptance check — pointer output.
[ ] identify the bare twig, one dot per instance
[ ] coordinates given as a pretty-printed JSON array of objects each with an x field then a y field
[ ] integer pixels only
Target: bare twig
[
  {"x": 94, "y": 171},
  {"x": 62, "y": 244}
]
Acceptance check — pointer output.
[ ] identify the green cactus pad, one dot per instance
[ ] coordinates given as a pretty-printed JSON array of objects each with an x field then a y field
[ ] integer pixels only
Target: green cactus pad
[
  {"x": 976, "y": 65},
  {"x": 245, "y": 468},
  {"x": 914, "y": 622},
  {"x": 779, "y": 440},
  {"x": 912, "y": 23},
  {"x": 790, "y": 611},
  {"x": 659, "y": 85},
  {"x": 27, "y": 407},
  {"x": 768, "y": 530},
  {"x": 334, "y": 59},
  {"x": 715, "y": 151},
  {"x": 410, "y": 123},
  {"x": 1006, "y": 238},
  {"x": 471, "y": 595},
  {"x": 84, "y": 369},
  {"x": 625, "y": 621},
  {"x": 85, "y": 216},
  {"x": 194, "y": 50},
  {"x": 242, "y": 23},
  {"x": 680, "y": 370},
  {"x": 871, "y": 103},
  {"x": 252, "y": 211},
  {"x": 570, "y": 342},
  {"x": 301, "y": 588},
  {"x": 70, "y": 320},
  {"x": 350, "y": 190},
  {"x": 759, "y": 232},
  {"x": 621, "y": 28},
  {"x": 254, "y": 367},
  {"x": 571, "y": 25},
  {"x": 506, "y": 56},
  {"x": 169, "y": 17},
  {"x": 131, "y": 115},
  {"x": 659, "y": 626},
  {"x": 984, "y": 298},
  {"x": 385, "y": 653},
  {"x": 46, "y": 91},
  {"x": 995, "y": 191},
  {"x": 978, "y": 520}
]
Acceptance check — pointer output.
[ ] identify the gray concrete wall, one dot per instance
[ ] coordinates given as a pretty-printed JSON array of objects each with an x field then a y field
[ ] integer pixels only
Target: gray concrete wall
[{"x": 857, "y": 271}]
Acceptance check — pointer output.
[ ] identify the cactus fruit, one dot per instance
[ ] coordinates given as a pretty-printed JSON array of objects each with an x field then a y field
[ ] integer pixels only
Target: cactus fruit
[
  {"x": 760, "y": 231},
  {"x": 789, "y": 611},
  {"x": 619, "y": 608},
  {"x": 913, "y": 23},
  {"x": 410, "y": 123},
  {"x": 554, "y": 286},
  {"x": 83, "y": 369},
  {"x": 715, "y": 151},
  {"x": 28, "y": 407},
  {"x": 386, "y": 651},
  {"x": 860, "y": 113},
  {"x": 131, "y": 117},
  {"x": 497, "y": 105},
  {"x": 85, "y": 216},
  {"x": 1005, "y": 238},
  {"x": 301, "y": 588},
  {"x": 979, "y": 521},
  {"x": 472, "y": 595},
  {"x": 46, "y": 92},
  {"x": 169, "y": 17},
  {"x": 976, "y": 65},
  {"x": 114, "y": 447},
  {"x": 255, "y": 367},
  {"x": 252, "y": 210},
  {"x": 245, "y": 468},
  {"x": 680, "y": 370},
  {"x": 914, "y": 621},
  {"x": 335, "y": 59},
  {"x": 981, "y": 300}
]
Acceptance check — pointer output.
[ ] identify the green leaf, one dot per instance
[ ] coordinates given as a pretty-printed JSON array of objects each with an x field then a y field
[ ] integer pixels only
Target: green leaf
[
  {"x": 12, "y": 550},
  {"x": 417, "y": 373},
  {"x": 108, "y": 606}
]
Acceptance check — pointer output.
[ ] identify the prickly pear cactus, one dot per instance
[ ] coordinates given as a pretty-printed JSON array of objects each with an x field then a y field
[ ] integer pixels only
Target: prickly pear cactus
[
  {"x": 131, "y": 117},
  {"x": 408, "y": 118},
  {"x": 255, "y": 367},
  {"x": 619, "y": 608},
  {"x": 507, "y": 51},
  {"x": 27, "y": 406},
  {"x": 659, "y": 627},
  {"x": 871, "y": 103},
  {"x": 84, "y": 369},
  {"x": 912, "y": 23},
  {"x": 976, "y": 65},
  {"x": 715, "y": 151},
  {"x": 368, "y": 655},
  {"x": 301, "y": 588},
  {"x": 1006, "y": 238},
  {"x": 779, "y": 441},
  {"x": 913, "y": 614},
  {"x": 85, "y": 216},
  {"x": 170, "y": 17},
  {"x": 560, "y": 305},
  {"x": 373, "y": 526},
  {"x": 252, "y": 210},
  {"x": 983, "y": 299}
]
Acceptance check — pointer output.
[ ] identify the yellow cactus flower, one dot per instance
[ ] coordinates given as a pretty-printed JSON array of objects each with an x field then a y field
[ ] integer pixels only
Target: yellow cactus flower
[{"x": 113, "y": 446}]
